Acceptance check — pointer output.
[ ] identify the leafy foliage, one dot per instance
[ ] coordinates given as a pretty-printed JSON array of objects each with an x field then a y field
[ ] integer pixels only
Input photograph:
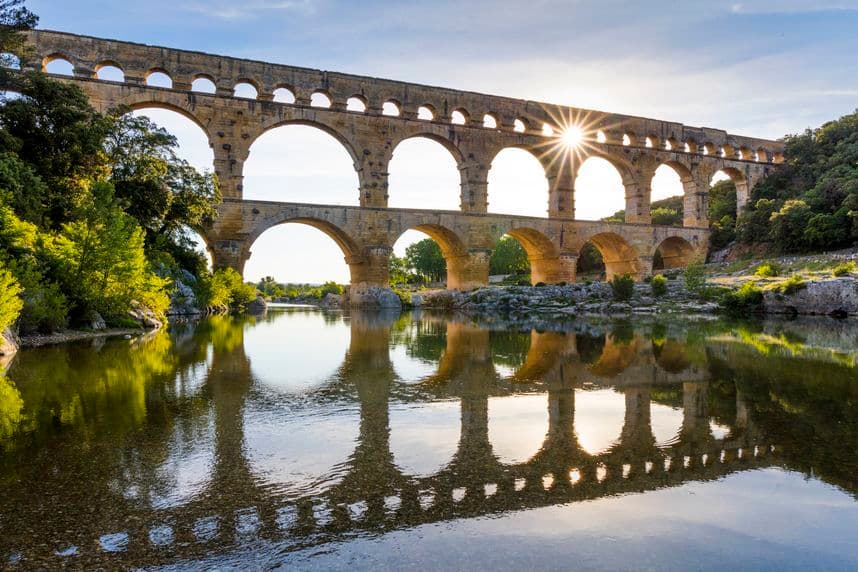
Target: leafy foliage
[
  {"x": 225, "y": 288},
  {"x": 791, "y": 285},
  {"x": 10, "y": 303},
  {"x": 658, "y": 283},
  {"x": 695, "y": 278},
  {"x": 746, "y": 300},
  {"x": 509, "y": 257},
  {"x": 426, "y": 259},
  {"x": 768, "y": 270},
  {"x": 623, "y": 287},
  {"x": 844, "y": 269}
]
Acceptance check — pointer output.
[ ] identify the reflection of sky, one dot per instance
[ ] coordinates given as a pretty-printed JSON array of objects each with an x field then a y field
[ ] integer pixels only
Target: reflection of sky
[
  {"x": 296, "y": 351},
  {"x": 410, "y": 369},
  {"x": 517, "y": 426},
  {"x": 424, "y": 436},
  {"x": 756, "y": 520},
  {"x": 666, "y": 423},
  {"x": 188, "y": 467},
  {"x": 599, "y": 417}
]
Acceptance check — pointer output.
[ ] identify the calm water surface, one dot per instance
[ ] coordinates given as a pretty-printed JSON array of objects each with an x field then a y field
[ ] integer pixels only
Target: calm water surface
[{"x": 312, "y": 440}]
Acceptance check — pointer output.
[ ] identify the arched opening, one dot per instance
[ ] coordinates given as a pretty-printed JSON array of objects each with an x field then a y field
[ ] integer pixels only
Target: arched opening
[
  {"x": 490, "y": 121},
  {"x": 245, "y": 90},
  {"x": 617, "y": 255},
  {"x": 312, "y": 252},
  {"x": 10, "y": 61},
  {"x": 193, "y": 143},
  {"x": 426, "y": 112},
  {"x": 729, "y": 193},
  {"x": 284, "y": 95},
  {"x": 424, "y": 437},
  {"x": 300, "y": 163},
  {"x": 159, "y": 78},
  {"x": 547, "y": 130},
  {"x": 649, "y": 142},
  {"x": 320, "y": 99},
  {"x": 517, "y": 184},
  {"x": 424, "y": 174},
  {"x": 628, "y": 139},
  {"x": 459, "y": 117},
  {"x": 356, "y": 103},
  {"x": 109, "y": 71},
  {"x": 673, "y": 252},
  {"x": 599, "y": 191},
  {"x": 390, "y": 108},
  {"x": 519, "y": 126},
  {"x": 429, "y": 255},
  {"x": 600, "y": 137},
  {"x": 540, "y": 257},
  {"x": 203, "y": 84},
  {"x": 198, "y": 245},
  {"x": 590, "y": 266},
  {"x": 668, "y": 195},
  {"x": 58, "y": 65}
]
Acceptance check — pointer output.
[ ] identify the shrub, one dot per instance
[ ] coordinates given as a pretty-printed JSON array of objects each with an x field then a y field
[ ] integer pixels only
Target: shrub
[
  {"x": 658, "y": 283},
  {"x": 623, "y": 286},
  {"x": 843, "y": 269},
  {"x": 791, "y": 285},
  {"x": 695, "y": 278},
  {"x": 225, "y": 288},
  {"x": 768, "y": 270},
  {"x": 10, "y": 303},
  {"x": 330, "y": 288},
  {"x": 745, "y": 300}
]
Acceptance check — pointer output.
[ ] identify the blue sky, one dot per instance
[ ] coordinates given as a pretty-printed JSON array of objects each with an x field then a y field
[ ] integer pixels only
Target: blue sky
[{"x": 759, "y": 68}]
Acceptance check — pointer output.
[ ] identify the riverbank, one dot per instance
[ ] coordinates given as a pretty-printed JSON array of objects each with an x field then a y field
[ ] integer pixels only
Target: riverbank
[{"x": 66, "y": 336}]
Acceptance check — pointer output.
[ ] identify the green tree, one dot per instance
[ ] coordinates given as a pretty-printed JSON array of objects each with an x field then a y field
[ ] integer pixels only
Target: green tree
[
  {"x": 509, "y": 257},
  {"x": 788, "y": 225},
  {"x": 14, "y": 19},
  {"x": 270, "y": 288},
  {"x": 10, "y": 303},
  {"x": 426, "y": 259},
  {"x": 398, "y": 271}
]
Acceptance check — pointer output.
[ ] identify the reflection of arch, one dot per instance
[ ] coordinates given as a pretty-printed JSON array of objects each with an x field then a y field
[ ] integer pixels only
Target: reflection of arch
[
  {"x": 671, "y": 356},
  {"x": 546, "y": 348},
  {"x": 615, "y": 359},
  {"x": 619, "y": 256},
  {"x": 673, "y": 252}
]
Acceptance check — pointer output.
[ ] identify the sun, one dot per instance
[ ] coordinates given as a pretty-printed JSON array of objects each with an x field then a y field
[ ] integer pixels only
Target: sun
[{"x": 573, "y": 136}]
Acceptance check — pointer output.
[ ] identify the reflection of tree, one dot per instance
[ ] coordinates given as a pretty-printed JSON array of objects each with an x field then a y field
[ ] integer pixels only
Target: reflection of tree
[
  {"x": 11, "y": 405},
  {"x": 509, "y": 348},
  {"x": 590, "y": 347}
]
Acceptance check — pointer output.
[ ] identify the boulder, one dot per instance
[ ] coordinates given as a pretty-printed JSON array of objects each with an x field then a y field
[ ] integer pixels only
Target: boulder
[
  {"x": 836, "y": 297},
  {"x": 372, "y": 297},
  {"x": 331, "y": 300},
  {"x": 183, "y": 301},
  {"x": 417, "y": 300},
  {"x": 258, "y": 306},
  {"x": 145, "y": 317},
  {"x": 8, "y": 342},
  {"x": 95, "y": 322}
]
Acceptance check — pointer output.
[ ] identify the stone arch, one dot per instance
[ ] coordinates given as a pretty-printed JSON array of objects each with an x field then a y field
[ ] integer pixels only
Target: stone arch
[
  {"x": 203, "y": 83},
  {"x": 357, "y": 103},
  {"x": 453, "y": 248},
  {"x": 329, "y": 133},
  {"x": 246, "y": 88},
  {"x": 391, "y": 108},
  {"x": 151, "y": 100},
  {"x": 673, "y": 252},
  {"x": 153, "y": 78},
  {"x": 597, "y": 176},
  {"x": 525, "y": 167},
  {"x": 351, "y": 249},
  {"x": 283, "y": 93},
  {"x": 546, "y": 264},
  {"x": 107, "y": 65},
  {"x": 58, "y": 56},
  {"x": 426, "y": 112},
  {"x": 618, "y": 255},
  {"x": 743, "y": 187},
  {"x": 450, "y": 198}
]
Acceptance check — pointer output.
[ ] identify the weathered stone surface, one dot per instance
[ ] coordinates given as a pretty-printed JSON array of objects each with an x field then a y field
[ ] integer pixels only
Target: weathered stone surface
[
  {"x": 183, "y": 301},
  {"x": 8, "y": 342},
  {"x": 145, "y": 317},
  {"x": 95, "y": 322},
  {"x": 332, "y": 301},
  {"x": 819, "y": 297},
  {"x": 366, "y": 233},
  {"x": 372, "y": 297},
  {"x": 257, "y": 306}
]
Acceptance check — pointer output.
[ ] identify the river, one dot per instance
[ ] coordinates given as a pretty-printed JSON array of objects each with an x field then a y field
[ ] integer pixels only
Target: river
[{"x": 308, "y": 439}]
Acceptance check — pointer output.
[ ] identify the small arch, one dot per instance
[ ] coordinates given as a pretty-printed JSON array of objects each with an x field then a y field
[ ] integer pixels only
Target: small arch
[
  {"x": 203, "y": 84},
  {"x": 519, "y": 126},
  {"x": 109, "y": 71},
  {"x": 727, "y": 151},
  {"x": 284, "y": 94},
  {"x": 10, "y": 61},
  {"x": 618, "y": 255},
  {"x": 708, "y": 148},
  {"x": 601, "y": 137},
  {"x": 762, "y": 155},
  {"x": 320, "y": 99},
  {"x": 158, "y": 77},
  {"x": 547, "y": 130},
  {"x": 245, "y": 90},
  {"x": 426, "y": 113},
  {"x": 57, "y": 64},
  {"x": 459, "y": 117},
  {"x": 649, "y": 142},
  {"x": 673, "y": 252},
  {"x": 391, "y": 107},
  {"x": 490, "y": 121},
  {"x": 629, "y": 139},
  {"x": 356, "y": 103},
  {"x": 671, "y": 144}
]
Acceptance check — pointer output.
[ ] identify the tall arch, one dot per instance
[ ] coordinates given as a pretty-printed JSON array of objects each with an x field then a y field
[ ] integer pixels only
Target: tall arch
[
  {"x": 315, "y": 262},
  {"x": 667, "y": 199},
  {"x": 618, "y": 255},
  {"x": 301, "y": 162},
  {"x": 599, "y": 189},
  {"x": 192, "y": 137},
  {"x": 743, "y": 187},
  {"x": 546, "y": 264},
  {"x": 453, "y": 249},
  {"x": 423, "y": 172},
  {"x": 695, "y": 200},
  {"x": 517, "y": 184}
]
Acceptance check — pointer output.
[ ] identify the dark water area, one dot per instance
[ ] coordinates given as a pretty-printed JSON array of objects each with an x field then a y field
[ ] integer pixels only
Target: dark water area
[{"x": 314, "y": 440}]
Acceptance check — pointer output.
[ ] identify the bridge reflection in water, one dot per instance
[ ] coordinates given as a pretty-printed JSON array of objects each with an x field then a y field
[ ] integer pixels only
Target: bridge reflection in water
[{"x": 202, "y": 389}]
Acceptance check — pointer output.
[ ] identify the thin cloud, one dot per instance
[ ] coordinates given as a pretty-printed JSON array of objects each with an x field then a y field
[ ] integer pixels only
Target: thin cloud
[
  {"x": 787, "y": 7},
  {"x": 249, "y": 10}
]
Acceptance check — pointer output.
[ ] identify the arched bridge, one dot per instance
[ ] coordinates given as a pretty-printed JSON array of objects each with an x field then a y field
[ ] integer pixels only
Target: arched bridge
[{"x": 371, "y": 116}]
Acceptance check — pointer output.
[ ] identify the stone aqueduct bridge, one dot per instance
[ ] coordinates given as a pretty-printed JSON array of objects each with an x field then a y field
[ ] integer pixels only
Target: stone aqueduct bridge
[{"x": 473, "y": 127}]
